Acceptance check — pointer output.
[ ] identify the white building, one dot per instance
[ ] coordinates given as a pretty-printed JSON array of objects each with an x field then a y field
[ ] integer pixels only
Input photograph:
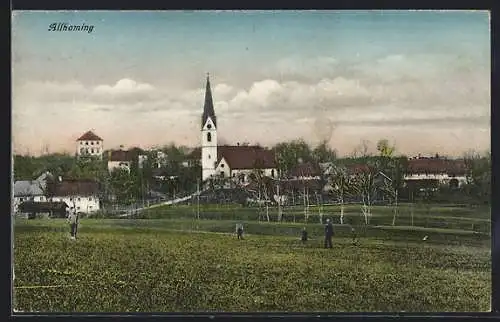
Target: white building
[
  {"x": 89, "y": 144},
  {"x": 29, "y": 190},
  {"x": 229, "y": 161},
  {"x": 442, "y": 171},
  {"x": 81, "y": 194},
  {"x": 120, "y": 160}
]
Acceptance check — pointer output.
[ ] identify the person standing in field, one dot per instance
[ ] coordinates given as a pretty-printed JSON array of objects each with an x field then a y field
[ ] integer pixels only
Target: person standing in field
[
  {"x": 328, "y": 234},
  {"x": 239, "y": 231},
  {"x": 73, "y": 222},
  {"x": 304, "y": 235}
]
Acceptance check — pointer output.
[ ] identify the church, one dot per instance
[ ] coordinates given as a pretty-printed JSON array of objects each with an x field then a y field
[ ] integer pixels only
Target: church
[{"x": 236, "y": 162}]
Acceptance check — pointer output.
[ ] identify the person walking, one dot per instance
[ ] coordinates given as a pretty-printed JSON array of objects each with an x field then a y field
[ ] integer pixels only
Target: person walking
[
  {"x": 304, "y": 235},
  {"x": 328, "y": 234},
  {"x": 73, "y": 222}
]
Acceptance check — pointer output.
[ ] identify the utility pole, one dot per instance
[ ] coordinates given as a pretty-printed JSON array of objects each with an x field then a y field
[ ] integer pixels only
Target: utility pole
[{"x": 198, "y": 199}]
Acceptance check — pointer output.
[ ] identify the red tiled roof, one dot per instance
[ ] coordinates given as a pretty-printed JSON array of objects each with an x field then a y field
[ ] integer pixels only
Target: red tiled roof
[
  {"x": 435, "y": 166},
  {"x": 73, "y": 188},
  {"x": 358, "y": 168},
  {"x": 121, "y": 155},
  {"x": 308, "y": 169},
  {"x": 89, "y": 136},
  {"x": 246, "y": 157}
]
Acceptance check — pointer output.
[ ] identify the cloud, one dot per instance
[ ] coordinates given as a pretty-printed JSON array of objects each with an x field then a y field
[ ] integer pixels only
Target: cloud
[
  {"x": 123, "y": 87},
  {"x": 397, "y": 91}
]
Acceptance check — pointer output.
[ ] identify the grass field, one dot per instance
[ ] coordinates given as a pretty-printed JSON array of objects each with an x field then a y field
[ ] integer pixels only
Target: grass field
[{"x": 182, "y": 264}]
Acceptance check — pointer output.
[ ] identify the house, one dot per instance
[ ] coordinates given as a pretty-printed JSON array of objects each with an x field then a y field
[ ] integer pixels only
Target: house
[
  {"x": 436, "y": 171},
  {"x": 239, "y": 162},
  {"x": 81, "y": 194},
  {"x": 306, "y": 171},
  {"x": 123, "y": 159},
  {"x": 89, "y": 145},
  {"x": 30, "y": 190},
  {"x": 229, "y": 161}
]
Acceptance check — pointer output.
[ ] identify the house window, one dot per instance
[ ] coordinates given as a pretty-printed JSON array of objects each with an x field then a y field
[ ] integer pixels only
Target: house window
[
  {"x": 272, "y": 173},
  {"x": 92, "y": 150},
  {"x": 21, "y": 199},
  {"x": 70, "y": 199},
  {"x": 78, "y": 199},
  {"x": 86, "y": 143},
  {"x": 222, "y": 165},
  {"x": 234, "y": 175},
  {"x": 92, "y": 143},
  {"x": 209, "y": 137},
  {"x": 90, "y": 198},
  {"x": 222, "y": 174},
  {"x": 82, "y": 150},
  {"x": 87, "y": 151},
  {"x": 81, "y": 143},
  {"x": 77, "y": 208},
  {"x": 209, "y": 156}
]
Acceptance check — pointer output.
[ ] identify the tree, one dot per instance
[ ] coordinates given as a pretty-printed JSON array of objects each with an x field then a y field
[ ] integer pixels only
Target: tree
[
  {"x": 384, "y": 149},
  {"x": 289, "y": 153},
  {"x": 341, "y": 184},
  {"x": 479, "y": 175},
  {"x": 362, "y": 150},
  {"x": 123, "y": 186},
  {"x": 324, "y": 153}
]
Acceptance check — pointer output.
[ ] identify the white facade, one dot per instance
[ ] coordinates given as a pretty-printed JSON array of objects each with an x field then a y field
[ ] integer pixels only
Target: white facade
[
  {"x": 85, "y": 204},
  {"x": 240, "y": 175},
  {"x": 442, "y": 178},
  {"x": 112, "y": 165},
  {"x": 208, "y": 149},
  {"x": 92, "y": 148}
]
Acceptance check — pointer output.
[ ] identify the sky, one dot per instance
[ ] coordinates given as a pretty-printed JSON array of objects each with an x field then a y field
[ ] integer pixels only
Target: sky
[{"x": 420, "y": 79}]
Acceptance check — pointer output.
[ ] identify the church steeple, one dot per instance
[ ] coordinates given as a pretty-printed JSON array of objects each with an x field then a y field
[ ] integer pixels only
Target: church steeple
[{"x": 208, "y": 108}]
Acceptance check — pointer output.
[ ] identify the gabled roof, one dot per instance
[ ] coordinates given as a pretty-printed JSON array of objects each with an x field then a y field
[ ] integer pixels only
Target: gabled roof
[
  {"x": 307, "y": 169},
  {"x": 73, "y": 188},
  {"x": 246, "y": 157},
  {"x": 89, "y": 136},
  {"x": 436, "y": 166},
  {"x": 122, "y": 156},
  {"x": 208, "y": 108},
  {"x": 28, "y": 188}
]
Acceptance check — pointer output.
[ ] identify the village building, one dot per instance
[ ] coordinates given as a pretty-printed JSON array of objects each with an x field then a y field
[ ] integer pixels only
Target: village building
[
  {"x": 436, "y": 171},
  {"x": 29, "y": 190},
  {"x": 89, "y": 145},
  {"x": 83, "y": 194},
  {"x": 236, "y": 162},
  {"x": 123, "y": 159}
]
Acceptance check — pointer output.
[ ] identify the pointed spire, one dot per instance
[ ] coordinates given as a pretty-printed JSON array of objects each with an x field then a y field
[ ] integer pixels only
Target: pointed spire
[{"x": 208, "y": 108}]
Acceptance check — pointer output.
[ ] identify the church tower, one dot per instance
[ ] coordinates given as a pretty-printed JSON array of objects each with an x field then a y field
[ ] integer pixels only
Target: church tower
[{"x": 208, "y": 136}]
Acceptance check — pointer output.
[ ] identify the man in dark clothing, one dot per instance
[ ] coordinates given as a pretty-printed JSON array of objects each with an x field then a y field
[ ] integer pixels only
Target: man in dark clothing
[
  {"x": 239, "y": 231},
  {"x": 328, "y": 234},
  {"x": 304, "y": 235}
]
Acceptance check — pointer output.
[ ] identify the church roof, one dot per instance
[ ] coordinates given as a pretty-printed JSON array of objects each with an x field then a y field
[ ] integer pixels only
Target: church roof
[
  {"x": 208, "y": 108},
  {"x": 246, "y": 157},
  {"x": 89, "y": 136}
]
